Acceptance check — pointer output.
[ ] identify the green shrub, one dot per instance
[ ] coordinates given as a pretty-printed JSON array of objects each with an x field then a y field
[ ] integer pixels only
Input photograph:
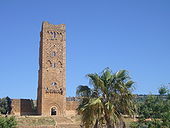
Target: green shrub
[
  {"x": 8, "y": 122},
  {"x": 154, "y": 111},
  {"x": 5, "y": 105}
]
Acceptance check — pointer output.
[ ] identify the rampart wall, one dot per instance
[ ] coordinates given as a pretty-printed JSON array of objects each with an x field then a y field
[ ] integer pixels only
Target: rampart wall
[
  {"x": 22, "y": 107},
  {"x": 27, "y": 106}
]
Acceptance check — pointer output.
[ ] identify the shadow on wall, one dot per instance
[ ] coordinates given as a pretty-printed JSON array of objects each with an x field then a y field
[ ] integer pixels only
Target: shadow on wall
[{"x": 27, "y": 107}]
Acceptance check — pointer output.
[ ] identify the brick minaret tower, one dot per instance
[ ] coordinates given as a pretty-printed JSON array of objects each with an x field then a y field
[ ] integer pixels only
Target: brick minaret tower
[{"x": 51, "y": 98}]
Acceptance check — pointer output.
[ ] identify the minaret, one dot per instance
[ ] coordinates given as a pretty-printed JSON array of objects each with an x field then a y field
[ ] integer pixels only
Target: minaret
[{"x": 51, "y": 97}]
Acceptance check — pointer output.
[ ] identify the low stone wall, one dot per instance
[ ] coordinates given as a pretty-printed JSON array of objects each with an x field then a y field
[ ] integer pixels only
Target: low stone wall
[
  {"x": 16, "y": 107},
  {"x": 22, "y": 107},
  {"x": 25, "y": 106},
  {"x": 71, "y": 106}
]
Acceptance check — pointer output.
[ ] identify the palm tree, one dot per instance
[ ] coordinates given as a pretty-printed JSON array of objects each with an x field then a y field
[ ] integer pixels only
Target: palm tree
[
  {"x": 109, "y": 98},
  {"x": 90, "y": 107}
]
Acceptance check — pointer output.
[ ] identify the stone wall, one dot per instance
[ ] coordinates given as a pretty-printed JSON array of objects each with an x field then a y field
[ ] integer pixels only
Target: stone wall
[
  {"x": 71, "y": 103},
  {"x": 15, "y": 107},
  {"x": 22, "y": 107},
  {"x": 25, "y": 106},
  {"x": 71, "y": 106}
]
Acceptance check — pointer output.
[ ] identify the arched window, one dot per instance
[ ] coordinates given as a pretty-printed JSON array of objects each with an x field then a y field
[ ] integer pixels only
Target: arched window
[
  {"x": 60, "y": 64},
  {"x": 53, "y": 111},
  {"x": 49, "y": 63}
]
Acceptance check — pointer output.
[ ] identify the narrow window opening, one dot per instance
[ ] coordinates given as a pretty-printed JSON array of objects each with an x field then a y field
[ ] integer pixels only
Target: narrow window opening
[
  {"x": 54, "y": 35},
  {"x": 53, "y": 111},
  {"x": 54, "y": 53},
  {"x": 53, "y": 83},
  {"x": 53, "y": 65}
]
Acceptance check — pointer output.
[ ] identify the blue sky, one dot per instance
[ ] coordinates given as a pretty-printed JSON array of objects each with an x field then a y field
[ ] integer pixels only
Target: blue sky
[{"x": 120, "y": 34}]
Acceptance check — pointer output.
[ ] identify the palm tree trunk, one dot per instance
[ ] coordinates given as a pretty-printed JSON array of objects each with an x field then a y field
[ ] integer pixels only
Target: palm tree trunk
[
  {"x": 108, "y": 122},
  {"x": 96, "y": 124},
  {"x": 122, "y": 123}
]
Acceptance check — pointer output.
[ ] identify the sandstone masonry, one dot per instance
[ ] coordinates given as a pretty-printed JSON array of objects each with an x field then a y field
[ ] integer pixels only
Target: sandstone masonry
[{"x": 52, "y": 66}]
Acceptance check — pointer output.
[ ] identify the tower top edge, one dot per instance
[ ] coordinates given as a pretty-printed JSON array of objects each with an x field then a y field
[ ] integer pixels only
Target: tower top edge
[
  {"x": 47, "y": 25},
  {"x": 46, "y": 22}
]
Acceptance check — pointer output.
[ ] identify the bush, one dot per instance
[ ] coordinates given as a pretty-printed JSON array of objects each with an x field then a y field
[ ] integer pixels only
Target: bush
[
  {"x": 147, "y": 124},
  {"x": 8, "y": 122},
  {"x": 154, "y": 111},
  {"x": 5, "y": 105}
]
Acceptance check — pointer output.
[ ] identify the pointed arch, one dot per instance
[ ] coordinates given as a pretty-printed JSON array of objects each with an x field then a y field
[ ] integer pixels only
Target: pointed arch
[{"x": 60, "y": 65}]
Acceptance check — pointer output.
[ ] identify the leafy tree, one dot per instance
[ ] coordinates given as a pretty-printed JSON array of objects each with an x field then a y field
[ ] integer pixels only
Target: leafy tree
[
  {"x": 8, "y": 122},
  {"x": 163, "y": 90},
  {"x": 154, "y": 111},
  {"x": 5, "y": 105},
  {"x": 109, "y": 98}
]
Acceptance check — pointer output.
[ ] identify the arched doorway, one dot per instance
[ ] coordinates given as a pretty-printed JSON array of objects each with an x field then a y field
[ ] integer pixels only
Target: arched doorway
[{"x": 53, "y": 111}]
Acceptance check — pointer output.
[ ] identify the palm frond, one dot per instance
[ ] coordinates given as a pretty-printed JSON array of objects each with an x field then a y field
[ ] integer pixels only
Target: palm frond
[
  {"x": 83, "y": 91},
  {"x": 122, "y": 75},
  {"x": 109, "y": 98},
  {"x": 129, "y": 83},
  {"x": 96, "y": 82}
]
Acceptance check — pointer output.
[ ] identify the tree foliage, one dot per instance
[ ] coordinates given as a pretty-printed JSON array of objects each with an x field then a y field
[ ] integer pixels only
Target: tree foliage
[
  {"x": 5, "y": 105},
  {"x": 8, "y": 122},
  {"x": 163, "y": 90},
  {"x": 107, "y": 100},
  {"x": 154, "y": 111}
]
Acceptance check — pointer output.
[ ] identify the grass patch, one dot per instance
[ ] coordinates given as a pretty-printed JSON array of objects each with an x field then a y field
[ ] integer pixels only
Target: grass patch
[
  {"x": 35, "y": 121},
  {"x": 128, "y": 121}
]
